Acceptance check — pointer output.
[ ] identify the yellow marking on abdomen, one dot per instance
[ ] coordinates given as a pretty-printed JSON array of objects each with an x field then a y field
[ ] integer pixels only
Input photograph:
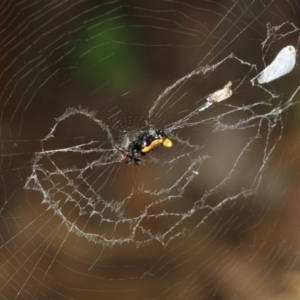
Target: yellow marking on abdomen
[
  {"x": 166, "y": 143},
  {"x": 152, "y": 145}
]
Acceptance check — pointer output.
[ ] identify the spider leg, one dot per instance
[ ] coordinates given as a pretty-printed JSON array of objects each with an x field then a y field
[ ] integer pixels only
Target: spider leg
[{"x": 136, "y": 161}]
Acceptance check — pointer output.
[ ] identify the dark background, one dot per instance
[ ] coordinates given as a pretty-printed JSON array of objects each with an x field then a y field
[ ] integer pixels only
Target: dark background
[{"x": 115, "y": 58}]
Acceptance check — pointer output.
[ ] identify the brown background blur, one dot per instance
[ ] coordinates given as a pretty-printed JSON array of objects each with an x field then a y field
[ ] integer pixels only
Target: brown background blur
[{"x": 55, "y": 55}]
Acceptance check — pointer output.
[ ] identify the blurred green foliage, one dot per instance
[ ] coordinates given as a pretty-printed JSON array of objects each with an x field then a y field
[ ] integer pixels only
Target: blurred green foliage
[{"x": 103, "y": 53}]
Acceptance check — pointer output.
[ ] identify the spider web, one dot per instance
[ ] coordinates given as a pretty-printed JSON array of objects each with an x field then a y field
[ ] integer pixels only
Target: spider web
[{"x": 213, "y": 217}]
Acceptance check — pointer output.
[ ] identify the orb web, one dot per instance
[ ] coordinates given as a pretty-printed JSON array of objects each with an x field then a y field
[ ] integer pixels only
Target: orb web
[{"x": 213, "y": 216}]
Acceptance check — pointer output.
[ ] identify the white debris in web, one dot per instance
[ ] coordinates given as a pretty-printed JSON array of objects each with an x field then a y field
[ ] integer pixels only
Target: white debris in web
[
  {"x": 221, "y": 94},
  {"x": 283, "y": 64}
]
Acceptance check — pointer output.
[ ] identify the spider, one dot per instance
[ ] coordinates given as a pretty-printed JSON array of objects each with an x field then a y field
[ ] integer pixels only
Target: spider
[{"x": 144, "y": 143}]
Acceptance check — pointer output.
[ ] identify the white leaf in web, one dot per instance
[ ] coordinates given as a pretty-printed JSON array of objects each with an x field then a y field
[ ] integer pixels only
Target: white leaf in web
[{"x": 283, "y": 64}]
